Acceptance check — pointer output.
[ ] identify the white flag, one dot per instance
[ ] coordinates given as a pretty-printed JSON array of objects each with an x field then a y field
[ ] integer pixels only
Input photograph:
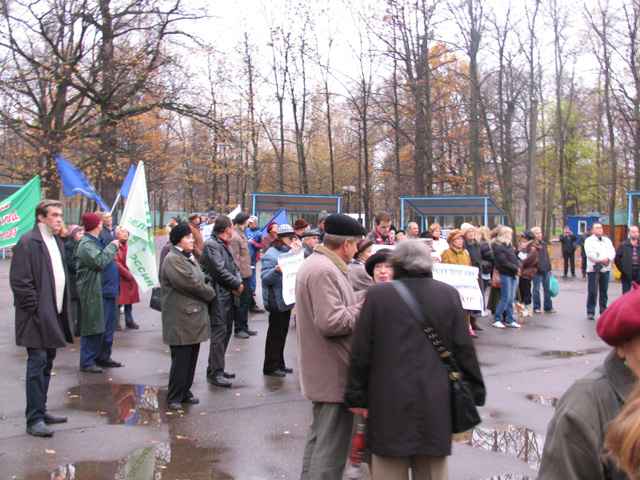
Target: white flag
[
  {"x": 234, "y": 212},
  {"x": 141, "y": 258}
]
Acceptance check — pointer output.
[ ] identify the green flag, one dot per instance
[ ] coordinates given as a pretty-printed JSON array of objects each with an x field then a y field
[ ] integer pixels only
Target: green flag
[
  {"x": 17, "y": 213},
  {"x": 141, "y": 258}
]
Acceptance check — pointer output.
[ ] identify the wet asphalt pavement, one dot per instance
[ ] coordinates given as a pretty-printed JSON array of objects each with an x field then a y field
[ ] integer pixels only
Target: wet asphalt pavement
[{"x": 119, "y": 426}]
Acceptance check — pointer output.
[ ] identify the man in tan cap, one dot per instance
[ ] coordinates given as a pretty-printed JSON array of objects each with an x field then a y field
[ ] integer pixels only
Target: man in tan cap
[{"x": 574, "y": 446}]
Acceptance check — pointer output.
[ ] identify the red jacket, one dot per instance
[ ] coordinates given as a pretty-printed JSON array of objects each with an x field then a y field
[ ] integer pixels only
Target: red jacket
[{"x": 128, "y": 287}]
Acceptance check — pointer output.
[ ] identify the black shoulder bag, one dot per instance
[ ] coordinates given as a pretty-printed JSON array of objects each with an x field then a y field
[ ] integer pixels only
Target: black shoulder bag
[{"x": 464, "y": 414}]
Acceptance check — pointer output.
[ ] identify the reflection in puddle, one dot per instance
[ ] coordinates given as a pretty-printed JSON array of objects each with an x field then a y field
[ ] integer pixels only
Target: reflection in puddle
[
  {"x": 546, "y": 401},
  {"x": 157, "y": 462},
  {"x": 518, "y": 441},
  {"x": 570, "y": 353},
  {"x": 509, "y": 476},
  {"x": 122, "y": 404}
]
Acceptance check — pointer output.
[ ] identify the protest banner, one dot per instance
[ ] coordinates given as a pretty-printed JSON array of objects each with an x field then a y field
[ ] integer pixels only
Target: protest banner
[
  {"x": 290, "y": 263},
  {"x": 465, "y": 280},
  {"x": 141, "y": 258},
  {"x": 376, "y": 248},
  {"x": 17, "y": 213}
]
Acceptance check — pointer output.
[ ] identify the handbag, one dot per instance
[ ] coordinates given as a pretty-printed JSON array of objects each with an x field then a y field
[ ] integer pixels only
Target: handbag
[
  {"x": 495, "y": 279},
  {"x": 554, "y": 288},
  {"x": 464, "y": 414},
  {"x": 156, "y": 299}
]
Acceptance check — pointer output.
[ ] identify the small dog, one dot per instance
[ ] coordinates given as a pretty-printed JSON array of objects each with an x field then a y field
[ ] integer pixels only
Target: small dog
[{"x": 521, "y": 309}]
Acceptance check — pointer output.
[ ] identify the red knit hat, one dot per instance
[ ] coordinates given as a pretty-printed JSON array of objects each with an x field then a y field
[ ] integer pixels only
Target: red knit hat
[
  {"x": 621, "y": 320},
  {"x": 90, "y": 221}
]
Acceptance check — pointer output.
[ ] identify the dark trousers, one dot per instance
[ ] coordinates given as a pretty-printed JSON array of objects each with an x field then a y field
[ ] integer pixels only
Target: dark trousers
[
  {"x": 184, "y": 359},
  {"x": 98, "y": 347},
  {"x": 242, "y": 312},
  {"x": 39, "y": 365},
  {"x": 584, "y": 262},
  {"x": 602, "y": 285},
  {"x": 220, "y": 335},
  {"x": 569, "y": 258},
  {"x": 76, "y": 317},
  {"x": 525, "y": 290},
  {"x": 276, "y": 339},
  {"x": 626, "y": 284}
]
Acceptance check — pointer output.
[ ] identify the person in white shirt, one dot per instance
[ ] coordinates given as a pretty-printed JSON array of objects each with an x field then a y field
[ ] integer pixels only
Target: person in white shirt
[{"x": 600, "y": 256}]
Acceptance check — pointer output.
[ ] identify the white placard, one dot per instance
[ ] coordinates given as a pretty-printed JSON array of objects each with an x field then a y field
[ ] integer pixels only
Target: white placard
[
  {"x": 465, "y": 280},
  {"x": 375, "y": 248},
  {"x": 290, "y": 263}
]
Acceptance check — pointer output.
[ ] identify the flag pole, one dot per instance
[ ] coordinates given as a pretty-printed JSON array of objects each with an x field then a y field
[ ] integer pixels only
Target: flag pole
[{"x": 114, "y": 203}]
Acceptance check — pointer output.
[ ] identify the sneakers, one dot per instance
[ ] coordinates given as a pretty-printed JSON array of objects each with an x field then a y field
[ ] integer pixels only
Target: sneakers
[
  {"x": 590, "y": 316},
  {"x": 537, "y": 311},
  {"x": 550, "y": 311},
  {"x": 514, "y": 325},
  {"x": 132, "y": 325},
  {"x": 498, "y": 324}
]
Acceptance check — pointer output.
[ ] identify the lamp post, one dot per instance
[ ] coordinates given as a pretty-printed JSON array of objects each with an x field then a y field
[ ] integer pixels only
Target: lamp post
[{"x": 348, "y": 190}]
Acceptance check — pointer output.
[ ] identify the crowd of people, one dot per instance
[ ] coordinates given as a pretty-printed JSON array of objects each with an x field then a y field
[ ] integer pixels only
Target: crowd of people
[{"x": 352, "y": 360}]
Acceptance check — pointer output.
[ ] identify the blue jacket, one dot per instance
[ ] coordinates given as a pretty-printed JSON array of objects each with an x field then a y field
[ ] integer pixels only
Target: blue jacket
[{"x": 272, "y": 279}]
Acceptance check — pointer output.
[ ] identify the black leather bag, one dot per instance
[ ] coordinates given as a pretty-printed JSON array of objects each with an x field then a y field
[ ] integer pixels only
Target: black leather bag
[
  {"x": 156, "y": 299},
  {"x": 464, "y": 414}
]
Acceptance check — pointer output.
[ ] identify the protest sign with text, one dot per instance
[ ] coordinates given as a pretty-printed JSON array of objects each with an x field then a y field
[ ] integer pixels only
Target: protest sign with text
[
  {"x": 465, "y": 280},
  {"x": 290, "y": 263}
]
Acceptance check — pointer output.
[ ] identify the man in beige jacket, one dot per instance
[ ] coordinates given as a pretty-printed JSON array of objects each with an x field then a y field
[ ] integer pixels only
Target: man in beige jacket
[
  {"x": 238, "y": 242},
  {"x": 327, "y": 312}
]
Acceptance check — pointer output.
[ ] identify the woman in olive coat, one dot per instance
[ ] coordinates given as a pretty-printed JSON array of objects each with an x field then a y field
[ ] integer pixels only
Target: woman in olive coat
[{"x": 185, "y": 314}]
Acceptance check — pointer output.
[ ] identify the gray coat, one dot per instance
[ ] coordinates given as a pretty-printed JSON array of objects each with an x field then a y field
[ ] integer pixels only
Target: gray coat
[
  {"x": 219, "y": 263},
  {"x": 575, "y": 436},
  {"x": 38, "y": 324},
  {"x": 185, "y": 295}
]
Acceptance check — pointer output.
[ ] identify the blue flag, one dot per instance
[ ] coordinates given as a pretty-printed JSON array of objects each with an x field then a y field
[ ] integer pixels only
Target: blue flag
[
  {"x": 73, "y": 181},
  {"x": 126, "y": 185},
  {"x": 279, "y": 218}
]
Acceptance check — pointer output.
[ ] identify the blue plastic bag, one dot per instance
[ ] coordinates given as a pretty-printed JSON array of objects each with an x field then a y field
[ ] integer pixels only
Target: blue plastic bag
[{"x": 554, "y": 288}]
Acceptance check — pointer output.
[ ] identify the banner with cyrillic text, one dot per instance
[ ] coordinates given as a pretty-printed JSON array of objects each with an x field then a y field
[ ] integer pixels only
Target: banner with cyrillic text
[
  {"x": 465, "y": 280},
  {"x": 141, "y": 258},
  {"x": 18, "y": 213}
]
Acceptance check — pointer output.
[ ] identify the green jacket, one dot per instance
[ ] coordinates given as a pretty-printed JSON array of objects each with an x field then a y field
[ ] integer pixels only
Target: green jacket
[
  {"x": 90, "y": 262},
  {"x": 185, "y": 297}
]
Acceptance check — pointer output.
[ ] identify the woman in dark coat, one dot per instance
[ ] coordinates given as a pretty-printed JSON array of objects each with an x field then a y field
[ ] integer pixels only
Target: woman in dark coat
[
  {"x": 397, "y": 379},
  {"x": 272, "y": 234},
  {"x": 279, "y": 312},
  {"x": 185, "y": 314},
  {"x": 507, "y": 264},
  {"x": 75, "y": 234},
  {"x": 129, "y": 293}
]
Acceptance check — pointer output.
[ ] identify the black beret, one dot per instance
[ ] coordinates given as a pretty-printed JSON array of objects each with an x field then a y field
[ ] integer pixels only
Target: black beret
[
  {"x": 340, "y": 224},
  {"x": 241, "y": 218},
  {"x": 380, "y": 256},
  {"x": 179, "y": 232}
]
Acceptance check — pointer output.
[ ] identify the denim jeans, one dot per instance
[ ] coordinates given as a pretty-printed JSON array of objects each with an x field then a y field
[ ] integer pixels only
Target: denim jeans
[
  {"x": 602, "y": 284},
  {"x": 253, "y": 275},
  {"x": 128, "y": 314},
  {"x": 39, "y": 365},
  {"x": 508, "y": 285},
  {"x": 542, "y": 278}
]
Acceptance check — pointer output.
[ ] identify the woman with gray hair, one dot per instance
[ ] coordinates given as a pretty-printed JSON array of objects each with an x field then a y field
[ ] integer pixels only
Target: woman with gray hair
[{"x": 396, "y": 377}]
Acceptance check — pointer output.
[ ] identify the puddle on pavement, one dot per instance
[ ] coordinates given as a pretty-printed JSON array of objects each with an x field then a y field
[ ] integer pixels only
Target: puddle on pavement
[
  {"x": 180, "y": 459},
  {"x": 507, "y": 477},
  {"x": 570, "y": 353},
  {"x": 546, "y": 401},
  {"x": 121, "y": 404},
  {"x": 517, "y": 441}
]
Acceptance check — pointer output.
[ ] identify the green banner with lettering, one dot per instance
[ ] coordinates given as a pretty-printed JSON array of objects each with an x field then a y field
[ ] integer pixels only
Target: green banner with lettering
[{"x": 18, "y": 212}]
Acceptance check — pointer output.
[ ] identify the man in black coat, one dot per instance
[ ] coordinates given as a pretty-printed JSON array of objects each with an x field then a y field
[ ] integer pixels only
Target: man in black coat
[
  {"x": 568, "y": 242},
  {"x": 583, "y": 238},
  {"x": 219, "y": 264},
  {"x": 38, "y": 278},
  {"x": 627, "y": 259}
]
